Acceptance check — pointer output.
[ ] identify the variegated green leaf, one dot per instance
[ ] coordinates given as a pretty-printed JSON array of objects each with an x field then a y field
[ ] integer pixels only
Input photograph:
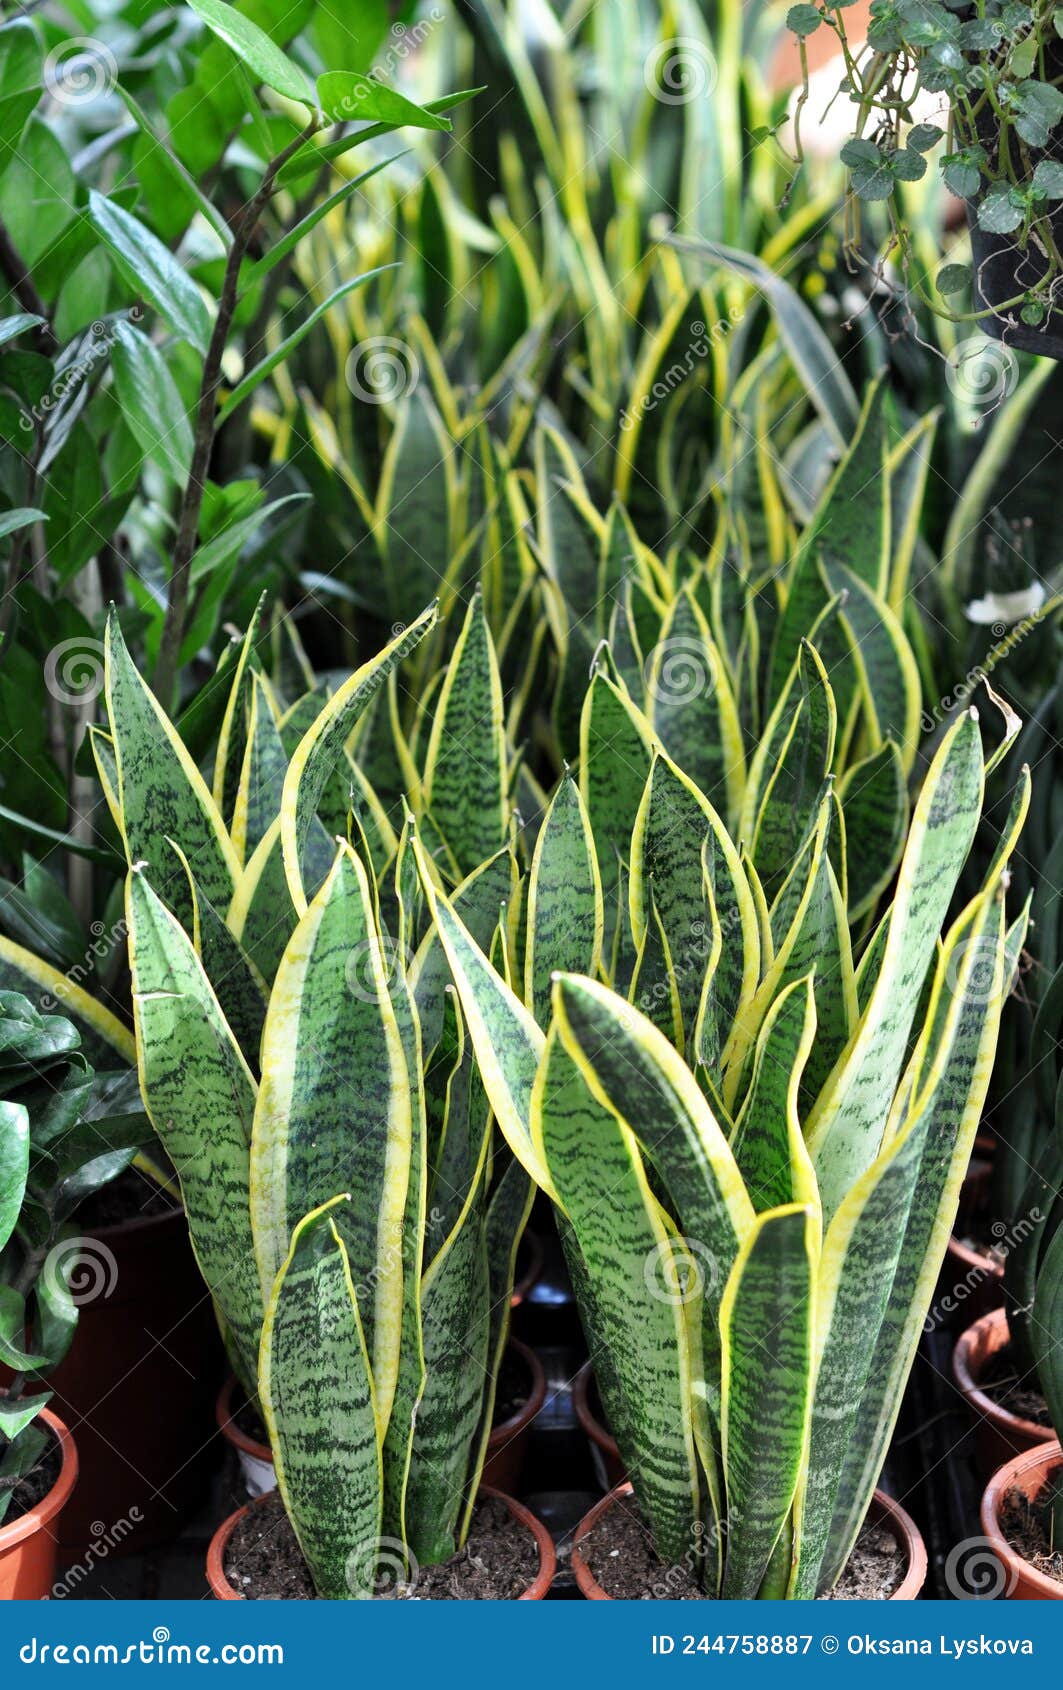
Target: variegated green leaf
[
  {"x": 261, "y": 784},
  {"x": 874, "y": 800},
  {"x": 846, "y": 1126},
  {"x": 766, "y": 1329},
  {"x": 238, "y": 986},
  {"x": 161, "y": 793},
  {"x": 192, "y": 1073},
  {"x": 883, "y": 660},
  {"x": 565, "y": 907},
  {"x": 319, "y": 1406},
  {"x": 791, "y": 763},
  {"x": 321, "y": 748},
  {"x": 455, "y": 1315},
  {"x": 690, "y": 704},
  {"x": 334, "y": 1107},
  {"x": 673, "y": 823},
  {"x": 882, "y": 1253},
  {"x": 852, "y": 522},
  {"x": 768, "y": 1144},
  {"x": 615, "y": 754},
  {"x": 507, "y": 1042},
  {"x": 413, "y": 509},
  {"x": 637, "y": 1290},
  {"x": 465, "y": 770}
]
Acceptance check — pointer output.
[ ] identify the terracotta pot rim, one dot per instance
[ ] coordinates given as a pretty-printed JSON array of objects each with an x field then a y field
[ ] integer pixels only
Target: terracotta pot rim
[
  {"x": 230, "y": 1431},
  {"x": 530, "y": 1238},
  {"x": 890, "y": 1514},
  {"x": 39, "y": 1516},
  {"x": 500, "y": 1434},
  {"x": 586, "y": 1416},
  {"x": 978, "y": 1400},
  {"x": 506, "y": 1430},
  {"x": 536, "y": 1591},
  {"x": 1046, "y": 1457},
  {"x": 976, "y": 1258}
]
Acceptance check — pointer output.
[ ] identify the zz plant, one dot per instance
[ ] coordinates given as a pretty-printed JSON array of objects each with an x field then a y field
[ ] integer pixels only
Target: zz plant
[
  {"x": 66, "y": 1130},
  {"x": 755, "y": 1171}
]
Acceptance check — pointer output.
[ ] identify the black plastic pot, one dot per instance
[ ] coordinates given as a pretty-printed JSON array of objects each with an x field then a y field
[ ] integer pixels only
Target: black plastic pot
[
  {"x": 1000, "y": 269},
  {"x": 1000, "y": 272}
]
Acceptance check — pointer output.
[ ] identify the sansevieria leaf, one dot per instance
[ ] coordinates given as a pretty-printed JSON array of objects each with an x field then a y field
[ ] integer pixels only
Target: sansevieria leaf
[
  {"x": 845, "y": 1129},
  {"x": 334, "y": 1106},
  {"x": 465, "y": 771},
  {"x": 161, "y": 793},
  {"x": 191, "y": 1072},
  {"x": 318, "y": 1403},
  {"x": 319, "y": 751}
]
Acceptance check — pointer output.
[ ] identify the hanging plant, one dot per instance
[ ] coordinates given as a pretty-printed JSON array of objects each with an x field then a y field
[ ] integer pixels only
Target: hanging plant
[{"x": 997, "y": 67}]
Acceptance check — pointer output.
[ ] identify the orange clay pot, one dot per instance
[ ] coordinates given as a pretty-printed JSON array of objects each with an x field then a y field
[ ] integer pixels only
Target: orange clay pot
[
  {"x": 28, "y": 1545},
  {"x": 999, "y": 1434},
  {"x": 1028, "y": 1473},
  {"x": 882, "y": 1512},
  {"x": 223, "y": 1591}
]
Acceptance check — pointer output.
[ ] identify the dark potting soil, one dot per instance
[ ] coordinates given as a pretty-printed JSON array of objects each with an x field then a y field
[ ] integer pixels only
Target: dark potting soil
[
  {"x": 133, "y": 1196},
  {"x": 500, "y": 1559},
  {"x": 1022, "y": 1525},
  {"x": 873, "y": 1571},
  {"x": 1002, "y": 1385},
  {"x": 514, "y": 1387},
  {"x": 621, "y": 1557},
  {"x": 36, "y": 1484}
]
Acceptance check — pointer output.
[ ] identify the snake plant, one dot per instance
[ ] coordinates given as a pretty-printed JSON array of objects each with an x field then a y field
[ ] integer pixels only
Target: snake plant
[
  {"x": 753, "y": 1141},
  {"x": 66, "y": 1130},
  {"x": 312, "y": 1082}
]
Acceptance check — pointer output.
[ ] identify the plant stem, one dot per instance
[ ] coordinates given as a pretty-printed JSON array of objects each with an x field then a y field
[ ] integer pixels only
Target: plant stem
[
  {"x": 21, "y": 286},
  {"x": 173, "y": 630}
]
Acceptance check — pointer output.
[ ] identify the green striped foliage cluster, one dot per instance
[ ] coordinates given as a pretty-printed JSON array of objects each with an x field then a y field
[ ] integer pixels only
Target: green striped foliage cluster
[
  {"x": 753, "y": 1137},
  {"x": 311, "y": 1080}
]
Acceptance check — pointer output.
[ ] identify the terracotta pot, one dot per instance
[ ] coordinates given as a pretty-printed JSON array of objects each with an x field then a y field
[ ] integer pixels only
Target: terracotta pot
[
  {"x": 882, "y": 1512},
  {"x": 973, "y": 1281},
  {"x": 508, "y": 1443},
  {"x": 256, "y": 1460},
  {"x": 224, "y": 1591},
  {"x": 506, "y": 1447},
  {"x": 28, "y": 1545},
  {"x": 532, "y": 1246},
  {"x": 608, "y": 1466},
  {"x": 1028, "y": 1473},
  {"x": 999, "y": 1435},
  {"x": 137, "y": 1386}
]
